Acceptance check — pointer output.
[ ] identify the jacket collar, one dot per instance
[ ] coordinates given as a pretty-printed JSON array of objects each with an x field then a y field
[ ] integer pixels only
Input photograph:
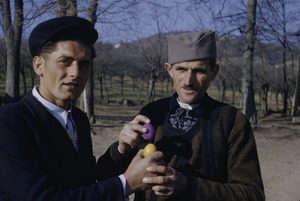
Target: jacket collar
[
  {"x": 49, "y": 127},
  {"x": 198, "y": 111}
]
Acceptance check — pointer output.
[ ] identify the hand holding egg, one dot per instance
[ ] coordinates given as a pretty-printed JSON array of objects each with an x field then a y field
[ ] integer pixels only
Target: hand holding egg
[
  {"x": 149, "y": 149},
  {"x": 150, "y": 131}
]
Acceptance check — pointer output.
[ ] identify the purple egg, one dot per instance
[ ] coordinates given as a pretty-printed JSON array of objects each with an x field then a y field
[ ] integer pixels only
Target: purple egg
[{"x": 150, "y": 133}]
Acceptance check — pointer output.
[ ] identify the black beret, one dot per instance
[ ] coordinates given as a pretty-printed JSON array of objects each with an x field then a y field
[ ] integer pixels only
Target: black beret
[{"x": 62, "y": 28}]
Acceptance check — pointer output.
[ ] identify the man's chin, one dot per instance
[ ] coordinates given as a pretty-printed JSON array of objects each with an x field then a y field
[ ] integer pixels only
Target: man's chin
[{"x": 71, "y": 98}]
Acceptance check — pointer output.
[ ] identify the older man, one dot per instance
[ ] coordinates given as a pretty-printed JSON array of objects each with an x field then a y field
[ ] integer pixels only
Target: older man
[
  {"x": 208, "y": 145},
  {"x": 45, "y": 147}
]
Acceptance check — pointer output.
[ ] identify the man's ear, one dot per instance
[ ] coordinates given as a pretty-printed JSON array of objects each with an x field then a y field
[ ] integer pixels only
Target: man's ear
[
  {"x": 38, "y": 64},
  {"x": 215, "y": 71},
  {"x": 168, "y": 68}
]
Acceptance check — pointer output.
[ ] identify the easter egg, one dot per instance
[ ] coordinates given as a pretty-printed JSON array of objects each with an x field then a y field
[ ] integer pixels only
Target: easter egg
[
  {"x": 150, "y": 131},
  {"x": 149, "y": 149}
]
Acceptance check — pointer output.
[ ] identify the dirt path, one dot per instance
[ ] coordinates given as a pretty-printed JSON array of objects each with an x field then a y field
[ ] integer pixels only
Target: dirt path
[{"x": 278, "y": 144}]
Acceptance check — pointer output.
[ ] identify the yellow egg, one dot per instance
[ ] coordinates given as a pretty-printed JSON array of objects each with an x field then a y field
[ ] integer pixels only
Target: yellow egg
[{"x": 149, "y": 149}]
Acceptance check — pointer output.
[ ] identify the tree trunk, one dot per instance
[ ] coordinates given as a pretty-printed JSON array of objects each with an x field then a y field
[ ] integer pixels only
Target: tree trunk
[
  {"x": 100, "y": 79},
  {"x": 106, "y": 89},
  {"x": 140, "y": 92},
  {"x": 233, "y": 96},
  {"x": 296, "y": 92},
  {"x": 168, "y": 84},
  {"x": 277, "y": 100},
  {"x": 222, "y": 85},
  {"x": 88, "y": 93},
  {"x": 161, "y": 86},
  {"x": 264, "y": 99},
  {"x": 23, "y": 79},
  {"x": 285, "y": 80},
  {"x": 88, "y": 97},
  {"x": 122, "y": 85},
  {"x": 232, "y": 92},
  {"x": 32, "y": 82},
  {"x": 13, "y": 34},
  {"x": 133, "y": 83},
  {"x": 248, "y": 92},
  {"x": 222, "y": 89},
  {"x": 151, "y": 86}
]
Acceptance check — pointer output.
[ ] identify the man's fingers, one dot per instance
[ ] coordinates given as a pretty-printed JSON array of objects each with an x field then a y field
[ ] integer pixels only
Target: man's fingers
[
  {"x": 129, "y": 136},
  {"x": 155, "y": 180},
  {"x": 131, "y": 129},
  {"x": 140, "y": 154},
  {"x": 157, "y": 156},
  {"x": 162, "y": 190},
  {"x": 141, "y": 118},
  {"x": 161, "y": 170}
]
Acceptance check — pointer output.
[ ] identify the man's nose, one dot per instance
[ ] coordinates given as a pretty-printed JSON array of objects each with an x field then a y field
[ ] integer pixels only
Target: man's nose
[
  {"x": 189, "y": 78},
  {"x": 74, "y": 69}
]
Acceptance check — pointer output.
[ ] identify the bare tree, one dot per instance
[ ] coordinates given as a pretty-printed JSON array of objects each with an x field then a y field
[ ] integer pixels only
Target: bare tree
[
  {"x": 248, "y": 92},
  {"x": 3, "y": 60},
  {"x": 88, "y": 93},
  {"x": 261, "y": 74},
  {"x": 13, "y": 33},
  {"x": 102, "y": 64},
  {"x": 296, "y": 92},
  {"x": 152, "y": 49},
  {"x": 66, "y": 8},
  {"x": 273, "y": 27}
]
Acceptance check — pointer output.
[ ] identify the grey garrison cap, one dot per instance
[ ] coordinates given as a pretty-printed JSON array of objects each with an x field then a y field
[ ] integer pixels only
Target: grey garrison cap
[{"x": 192, "y": 46}]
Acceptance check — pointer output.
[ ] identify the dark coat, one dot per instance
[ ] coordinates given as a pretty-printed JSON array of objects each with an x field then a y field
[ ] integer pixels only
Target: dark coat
[
  {"x": 39, "y": 162},
  {"x": 218, "y": 154}
]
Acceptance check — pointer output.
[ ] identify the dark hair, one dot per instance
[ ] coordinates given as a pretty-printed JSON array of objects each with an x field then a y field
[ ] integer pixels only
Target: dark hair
[{"x": 50, "y": 47}]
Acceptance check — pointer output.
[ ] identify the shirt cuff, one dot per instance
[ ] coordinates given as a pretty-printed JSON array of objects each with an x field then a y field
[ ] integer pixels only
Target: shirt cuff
[{"x": 123, "y": 180}]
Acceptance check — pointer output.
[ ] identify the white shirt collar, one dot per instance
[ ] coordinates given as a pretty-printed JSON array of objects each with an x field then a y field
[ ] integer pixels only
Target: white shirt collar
[
  {"x": 60, "y": 113},
  {"x": 187, "y": 106}
]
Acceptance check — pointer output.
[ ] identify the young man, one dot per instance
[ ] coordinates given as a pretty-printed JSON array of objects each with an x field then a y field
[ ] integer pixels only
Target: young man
[
  {"x": 45, "y": 147},
  {"x": 208, "y": 145}
]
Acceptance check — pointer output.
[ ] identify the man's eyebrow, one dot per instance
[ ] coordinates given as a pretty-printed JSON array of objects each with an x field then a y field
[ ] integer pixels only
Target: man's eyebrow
[
  {"x": 199, "y": 67},
  {"x": 180, "y": 66},
  {"x": 64, "y": 56}
]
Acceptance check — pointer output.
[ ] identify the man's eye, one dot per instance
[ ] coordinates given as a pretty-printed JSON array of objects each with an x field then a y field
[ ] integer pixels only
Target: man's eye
[
  {"x": 180, "y": 69},
  {"x": 200, "y": 71},
  {"x": 64, "y": 60}
]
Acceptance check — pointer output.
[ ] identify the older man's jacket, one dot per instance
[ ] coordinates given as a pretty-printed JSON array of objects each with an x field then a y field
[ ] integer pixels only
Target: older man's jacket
[
  {"x": 218, "y": 154},
  {"x": 39, "y": 162}
]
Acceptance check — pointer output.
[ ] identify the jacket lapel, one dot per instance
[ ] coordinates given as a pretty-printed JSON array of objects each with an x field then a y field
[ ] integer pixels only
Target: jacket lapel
[{"x": 53, "y": 138}]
